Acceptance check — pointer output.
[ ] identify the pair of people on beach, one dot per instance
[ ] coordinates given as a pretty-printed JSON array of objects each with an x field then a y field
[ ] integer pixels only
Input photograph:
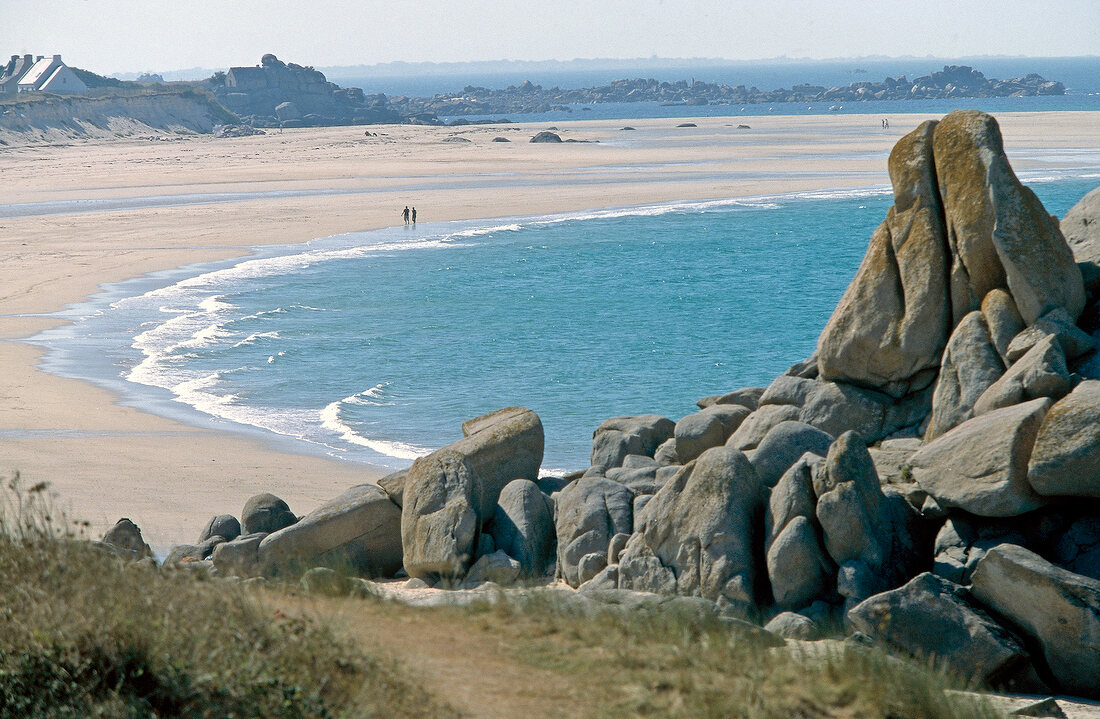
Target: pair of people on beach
[
  {"x": 407, "y": 214},
  {"x": 885, "y": 124}
]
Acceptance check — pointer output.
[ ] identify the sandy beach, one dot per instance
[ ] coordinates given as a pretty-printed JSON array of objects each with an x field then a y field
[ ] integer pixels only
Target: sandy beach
[{"x": 105, "y": 460}]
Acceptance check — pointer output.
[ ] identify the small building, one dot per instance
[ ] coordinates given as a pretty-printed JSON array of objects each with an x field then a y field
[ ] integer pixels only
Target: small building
[
  {"x": 12, "y": 72},
  {"x": 51, "y": 75},
  {"x": 246, "y": 79}
]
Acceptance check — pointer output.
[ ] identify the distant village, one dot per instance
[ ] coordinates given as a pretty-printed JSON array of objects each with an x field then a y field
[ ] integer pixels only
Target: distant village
[{"x": 27, "y": 73}]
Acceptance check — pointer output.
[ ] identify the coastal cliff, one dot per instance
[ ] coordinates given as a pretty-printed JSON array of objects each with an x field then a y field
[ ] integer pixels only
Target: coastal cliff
[{"x": 53, "y": 118}]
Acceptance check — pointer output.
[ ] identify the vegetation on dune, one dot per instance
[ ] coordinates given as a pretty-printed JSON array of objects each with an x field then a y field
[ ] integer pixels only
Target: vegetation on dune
[{"x": 84, "y": 634}]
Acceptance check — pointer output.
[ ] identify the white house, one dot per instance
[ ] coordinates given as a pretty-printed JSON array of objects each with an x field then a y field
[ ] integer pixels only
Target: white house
[
  {"x": 51, "y": 75},
  {"x": 12, "y": 72}
]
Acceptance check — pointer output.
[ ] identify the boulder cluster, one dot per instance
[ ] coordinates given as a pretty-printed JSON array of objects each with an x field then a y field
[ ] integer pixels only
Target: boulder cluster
[
  {"x": 279, "y": 94},
  {"x": 929, "y": 478}
]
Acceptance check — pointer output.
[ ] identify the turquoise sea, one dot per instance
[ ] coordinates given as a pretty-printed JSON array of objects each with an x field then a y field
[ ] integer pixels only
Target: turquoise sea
[{"x": 375, "y": 346}]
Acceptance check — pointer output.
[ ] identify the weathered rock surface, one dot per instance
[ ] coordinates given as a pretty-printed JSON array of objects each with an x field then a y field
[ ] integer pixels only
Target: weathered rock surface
[
  {"x": 265, "y": 513},
  {"x": 1081, "y": 228},
  {"x": 965, "y": 640},
  {"x": 1078, "y": 548},
  {"x": 225, "y": 526},
  {"x": 497, "y": 567},
  {"x": 239, "y": 558},
  {"x": 523, "y": 526},
  {"x": 999, "y": 233},
  {"x": 746, "y": 397},
  {"x": 619, "y": 436},
  {"x": 193, "y": 552},
  {"x": 589, "y": 513},
  {"x": 1066, "y": 456},
  {"x": 707, "y": 428},
  {"x": 1055, "y": 608},
  {"x": 963, "y": 541},
  {"x": 453, "y": 491},
  {"x": 790, "y": 625},
  {"x": 1042, "y": 372},
  {"x": 696, "y": 536},
  {"x": 893, "y": 321},
  {"x": 358, "y": 531},
  {"x": 799, "y": 568},
  {"x": 125, "y": 539},
  {"x": 783, "y": 445},
  {"x": 1003, "y": 320},
  {"x": 971, "y": 364},
  {"x": 872, "y": 536},
  {"x": 757, "y": 424},
  {"x": 1073, "y": 341},
  {"x": 394, "y": 485},
  {"x": 981, "y": 465}
]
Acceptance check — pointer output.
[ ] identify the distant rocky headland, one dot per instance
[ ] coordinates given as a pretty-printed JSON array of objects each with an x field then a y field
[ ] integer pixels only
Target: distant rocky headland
[
  {"x": 277, "y": 94},
  {"x": 953, "y": 81}
]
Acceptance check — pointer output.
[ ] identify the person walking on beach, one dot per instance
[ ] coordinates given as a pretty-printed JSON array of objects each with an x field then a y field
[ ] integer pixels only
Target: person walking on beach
[
  {"x": 414, "y": 215},
  {"x": 405, "y": 214}
]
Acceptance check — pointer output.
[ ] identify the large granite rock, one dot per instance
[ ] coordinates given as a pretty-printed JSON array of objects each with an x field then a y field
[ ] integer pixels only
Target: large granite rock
[
  {"x": 265, "y": 513},
  {"x": 1041, "y": 372},
  {"x": 1053, "y": 607},
  {"x": 590, "y": 512},
  {"x": 1081, "y": 228},
  {"x": 783, "y": 445},
  {"x": 759, "y": 423},
  {"x": 358, "y": 531},
  {"x": 707, "y": 428},
  {"x": 981, "y": 465},
  {"x": 225, "y": 526},
  {"x": 619, "y": 436},
  {"x": 971, "y": 364},
  {"x": 799, "y": 568},
  {"x": 891, "y": 325},
  {"x": 449, "y": 494},
  {"x": 999, "y": 233},
  {"x": 239, "y": 558},
  {"x": 696, "y": 536},
  {"x": 965, "y": 641},
  {"x": 523, "y": 526},
  {"x": 872, "y": 536},
  {"x": 1066, "y": 456}
]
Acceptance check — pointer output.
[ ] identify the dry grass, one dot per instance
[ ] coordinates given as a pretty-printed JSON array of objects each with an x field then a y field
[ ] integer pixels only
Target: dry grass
[{"x": 83, "y": 634}]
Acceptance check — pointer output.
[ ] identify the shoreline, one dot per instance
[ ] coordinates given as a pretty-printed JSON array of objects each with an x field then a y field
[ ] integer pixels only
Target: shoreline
[{"x": 107, "y": 460}]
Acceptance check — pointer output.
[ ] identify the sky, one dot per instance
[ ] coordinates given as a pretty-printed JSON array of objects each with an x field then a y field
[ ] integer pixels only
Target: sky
[{"x": 118, "y": 36}]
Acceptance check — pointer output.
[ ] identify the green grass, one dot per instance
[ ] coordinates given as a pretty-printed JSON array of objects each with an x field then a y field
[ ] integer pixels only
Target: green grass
[{"x": 83, "y": 634}]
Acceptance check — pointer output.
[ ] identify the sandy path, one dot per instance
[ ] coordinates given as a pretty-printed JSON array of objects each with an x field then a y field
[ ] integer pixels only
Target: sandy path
[{"x": 107, "y": 460}]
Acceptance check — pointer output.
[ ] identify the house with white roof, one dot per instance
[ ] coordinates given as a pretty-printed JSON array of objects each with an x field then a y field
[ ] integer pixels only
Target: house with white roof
[{"x": 51, "y": 75}]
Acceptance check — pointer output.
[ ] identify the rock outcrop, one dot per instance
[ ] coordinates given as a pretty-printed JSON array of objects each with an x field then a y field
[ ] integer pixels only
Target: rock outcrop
[
  {"x": 697, "y": 535},
  {"x": 892, "y": 324},
  {"x": 451, "y": 493}
]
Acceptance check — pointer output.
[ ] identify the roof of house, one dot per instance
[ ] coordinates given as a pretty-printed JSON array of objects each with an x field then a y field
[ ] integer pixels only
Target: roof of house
[{"x": 38, "y": 72}]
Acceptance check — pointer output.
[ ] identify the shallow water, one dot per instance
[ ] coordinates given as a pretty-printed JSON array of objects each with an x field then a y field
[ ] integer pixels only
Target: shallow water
[{"x": 376, "y": 346}]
